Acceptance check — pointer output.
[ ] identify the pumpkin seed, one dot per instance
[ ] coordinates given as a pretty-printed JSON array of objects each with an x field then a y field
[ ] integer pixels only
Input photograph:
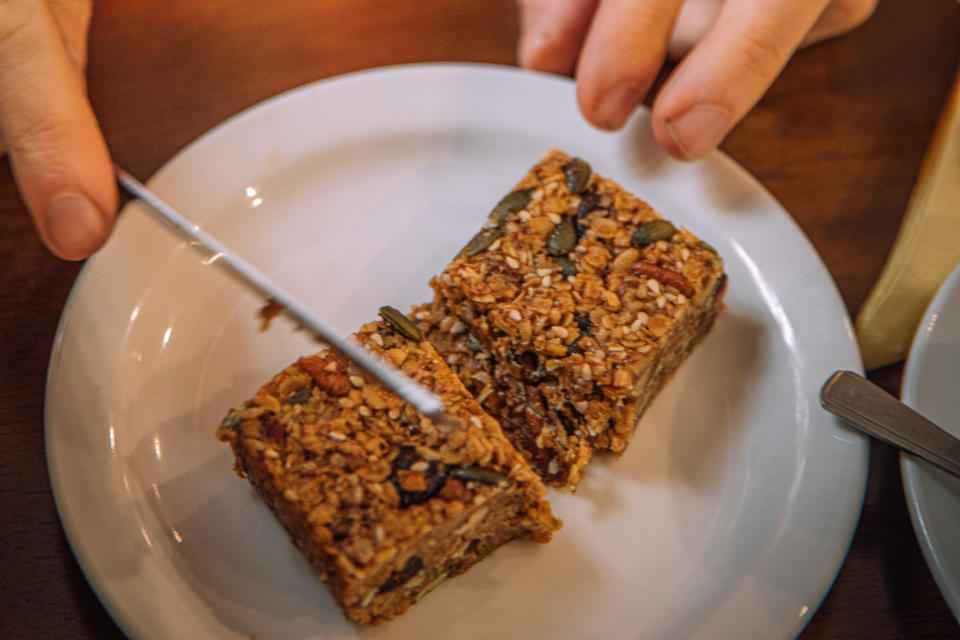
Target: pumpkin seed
[
  {"x": 567, "y": 268},
  {"x": 479, "y": 474},
  {"x": 510, "y": 203},
  {"x": 652, "y": 231},
  {"x": 400, "y": 323},
  {"x": 301, "y": 396},
  {"x": 232, "y": 419},
  {"x": 481, "y": 241},
  {"x": 473, "y": 343},
  {"x": 433, "y": 585},
  {"x": 703, "y": 244},
  {"x": 563, "y": 238},
  {"x": 574, "y": 347},
  {"x": 578, "y": 175},
  {"x": 583, "y": 323}
]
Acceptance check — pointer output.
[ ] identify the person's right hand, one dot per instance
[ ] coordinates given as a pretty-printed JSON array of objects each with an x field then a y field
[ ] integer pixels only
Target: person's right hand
[
  {"x": 731, "y": 50},
  {"x": 60, "y": 160}
]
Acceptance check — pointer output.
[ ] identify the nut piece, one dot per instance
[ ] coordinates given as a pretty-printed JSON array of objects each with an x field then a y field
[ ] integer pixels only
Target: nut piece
[
  {"x": 671, "y": 278},
  {"x": 333, "y": 382}
]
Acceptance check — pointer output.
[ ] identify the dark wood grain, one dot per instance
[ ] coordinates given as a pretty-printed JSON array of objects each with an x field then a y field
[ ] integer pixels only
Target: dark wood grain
[{"x": 838, "y": 140}]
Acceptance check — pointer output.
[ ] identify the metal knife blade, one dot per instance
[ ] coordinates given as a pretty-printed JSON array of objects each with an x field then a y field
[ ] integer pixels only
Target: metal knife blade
[{"x": 219, "y": 255}]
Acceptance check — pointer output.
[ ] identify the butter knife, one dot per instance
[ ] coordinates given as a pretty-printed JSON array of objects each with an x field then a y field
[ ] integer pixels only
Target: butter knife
[
  {"x": 217, "y": 254},
  {"x": 871, "y": 409}
]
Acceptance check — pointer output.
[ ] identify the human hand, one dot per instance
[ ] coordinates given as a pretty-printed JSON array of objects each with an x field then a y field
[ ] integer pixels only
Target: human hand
[
  {"x": 732, "y": 51},
  {"x": 59, "y": 157}
]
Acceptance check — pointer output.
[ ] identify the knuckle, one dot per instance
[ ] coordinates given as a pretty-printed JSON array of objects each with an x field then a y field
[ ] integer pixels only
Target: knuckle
[
  {"x": 37, "y": 137},
  {"x": 15, "y": 17},
  {"x": 762, "y": 55}
]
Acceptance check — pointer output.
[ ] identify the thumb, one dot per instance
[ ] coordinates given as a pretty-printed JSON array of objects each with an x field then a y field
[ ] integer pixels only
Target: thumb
[{"x": 60, "y": 160}]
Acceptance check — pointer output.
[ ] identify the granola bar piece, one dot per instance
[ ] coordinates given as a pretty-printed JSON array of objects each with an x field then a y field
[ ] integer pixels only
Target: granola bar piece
[
  {"x": 384, "y": 502},
  {"x": 583, "y": 301},
  {"x": 558, "y": 455}
]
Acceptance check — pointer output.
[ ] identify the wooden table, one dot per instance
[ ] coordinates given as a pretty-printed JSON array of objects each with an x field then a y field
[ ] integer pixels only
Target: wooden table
[{"x": 838, "y": 140}]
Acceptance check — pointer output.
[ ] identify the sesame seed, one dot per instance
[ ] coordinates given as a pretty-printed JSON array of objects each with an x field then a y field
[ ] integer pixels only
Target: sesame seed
[
  {"x": 685, "y": 254},
  {"x": 357, "y": 381},
  {"x": 586, "y": 371},
  {"x": 290, "y": 495},
  {"x": 336, "y": 435},
  {"x": 546, "y": 282},
  {"x": 554, "y": 218},
  {"x": 271, "y": 453},
  {"x": 420, "y": 465},
  {"x": 512, "y": 263},
  {"x": 559, "y": 331},
  {"x": 654, "y": 286},
  {"x": 364, "y": 411},
  {"x": 458, "y": 327},
  {"x": 494, "y": 246},
  {"x": 515, "y": 315},
  {"x": 661, "y": 302},
  {"x": 377, "y": 339},
  {"x": 553, "y": 467},
  {"x": 544, "y": 272}
]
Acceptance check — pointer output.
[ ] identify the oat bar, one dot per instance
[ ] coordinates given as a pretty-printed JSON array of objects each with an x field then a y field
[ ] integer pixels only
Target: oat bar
[
  {"x": 385, "y": 503},
  {"x": 580, "y": 301}
]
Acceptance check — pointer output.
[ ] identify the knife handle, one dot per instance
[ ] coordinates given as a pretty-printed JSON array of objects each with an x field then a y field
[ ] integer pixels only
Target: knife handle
[{"x": 871, "y": 409}]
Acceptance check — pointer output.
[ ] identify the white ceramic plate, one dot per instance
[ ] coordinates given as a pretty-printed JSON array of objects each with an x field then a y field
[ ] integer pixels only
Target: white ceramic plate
[
  {"x": 728, "y": 517},
  {"x": 930, "y": 384}
]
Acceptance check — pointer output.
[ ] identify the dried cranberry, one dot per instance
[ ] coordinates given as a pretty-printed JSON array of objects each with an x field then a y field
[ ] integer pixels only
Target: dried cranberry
[
  {"x": 271, "y": 429},
  {"x": 434, "y": 476},
  {"x": 412, "y": 567}
]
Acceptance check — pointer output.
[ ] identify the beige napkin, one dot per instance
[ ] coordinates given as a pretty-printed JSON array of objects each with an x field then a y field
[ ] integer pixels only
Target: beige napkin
[{"x": 926, "y": 250}]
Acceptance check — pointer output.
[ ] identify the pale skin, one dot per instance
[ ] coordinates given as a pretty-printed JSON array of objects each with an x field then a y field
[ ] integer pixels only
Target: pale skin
[{"x": 731, "y": 52}]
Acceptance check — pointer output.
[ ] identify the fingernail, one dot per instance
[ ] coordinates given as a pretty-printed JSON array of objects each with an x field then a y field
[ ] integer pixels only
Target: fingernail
[
  {"x": 699, "y": 131},
  {"x": 74, "y": 226},
  {"x": 617, "y": 106}
]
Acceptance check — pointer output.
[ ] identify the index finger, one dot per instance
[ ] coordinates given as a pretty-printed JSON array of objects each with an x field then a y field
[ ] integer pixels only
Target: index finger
[{"x": 623, "y": 52}]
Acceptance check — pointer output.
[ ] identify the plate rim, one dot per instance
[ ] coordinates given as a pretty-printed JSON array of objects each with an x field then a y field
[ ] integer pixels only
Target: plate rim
[
  {"x": 912, "y": 471},
  {"x": 110, "y": 599}
]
